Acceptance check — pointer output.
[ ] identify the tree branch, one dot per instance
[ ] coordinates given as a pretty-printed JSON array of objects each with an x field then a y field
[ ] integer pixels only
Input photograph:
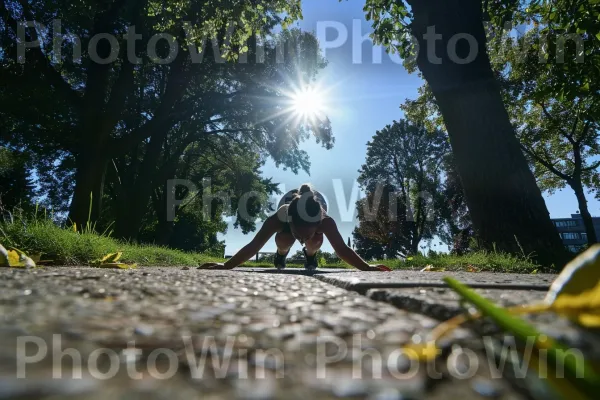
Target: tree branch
[
  {"x": 556, "y": 123},
  {"x": 161, "y": 120},
  {"x": 591, "y": 167},
  {"x": 545, "y": 163}
]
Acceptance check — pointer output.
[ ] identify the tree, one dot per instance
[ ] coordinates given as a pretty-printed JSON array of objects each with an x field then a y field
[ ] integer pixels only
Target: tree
[
  {"x": 382, "y": 217},
  {"x": 16, "y": 186},
  {"x": 501, "y": 192},
  {"x": 86, "y": 121},
  {"x": 237, "y": 107},
  {"x": 554, "y": 113},
  {"x": 402, "y": 176},
  {"x": 197, "y": 217},
  {"x": 454, "y": 227},
  {"x": 368, "y": 249}
]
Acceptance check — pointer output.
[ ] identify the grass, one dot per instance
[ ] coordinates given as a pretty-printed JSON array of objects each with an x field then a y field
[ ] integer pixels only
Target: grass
[
  {"x": 475, "y": 261},
  {"x": 68, "y": 247}
]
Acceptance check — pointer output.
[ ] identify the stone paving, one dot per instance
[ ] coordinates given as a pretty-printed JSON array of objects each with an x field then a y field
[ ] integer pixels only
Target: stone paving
[
  {"x": 242, "y": 334},
  {"x": 361, "y": 281}
]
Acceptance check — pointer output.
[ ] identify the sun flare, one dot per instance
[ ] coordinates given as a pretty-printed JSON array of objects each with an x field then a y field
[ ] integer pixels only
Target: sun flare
[{"x": 308, "y": 103}]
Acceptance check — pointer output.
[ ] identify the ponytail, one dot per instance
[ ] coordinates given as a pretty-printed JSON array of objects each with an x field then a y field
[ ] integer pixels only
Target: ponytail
[
  {"x": 306, "y": 188},
  {"x": 305, "y": 209}
]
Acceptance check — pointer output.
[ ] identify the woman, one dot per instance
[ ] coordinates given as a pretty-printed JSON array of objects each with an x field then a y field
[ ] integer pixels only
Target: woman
[{"x": 302, "y": 217}]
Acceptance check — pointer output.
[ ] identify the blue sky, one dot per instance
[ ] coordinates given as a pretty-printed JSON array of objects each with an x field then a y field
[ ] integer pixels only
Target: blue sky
[{"x": 361, "y": 99}]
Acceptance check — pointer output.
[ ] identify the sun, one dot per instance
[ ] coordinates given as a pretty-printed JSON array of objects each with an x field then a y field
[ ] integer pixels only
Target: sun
[{"x": 308, "y": 103}]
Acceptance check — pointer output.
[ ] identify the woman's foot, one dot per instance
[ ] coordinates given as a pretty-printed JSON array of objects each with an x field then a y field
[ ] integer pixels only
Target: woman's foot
[
  {"x": 280, "y": 260},
  {"x": 311, "y": 262}
]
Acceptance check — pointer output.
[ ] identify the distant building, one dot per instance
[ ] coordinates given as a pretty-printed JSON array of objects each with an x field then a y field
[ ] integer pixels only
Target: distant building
[{"x": 572, "y": 231}]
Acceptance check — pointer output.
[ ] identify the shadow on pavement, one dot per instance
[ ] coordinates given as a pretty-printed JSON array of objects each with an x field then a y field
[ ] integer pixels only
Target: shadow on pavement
[{"x": 293, "y": 271}]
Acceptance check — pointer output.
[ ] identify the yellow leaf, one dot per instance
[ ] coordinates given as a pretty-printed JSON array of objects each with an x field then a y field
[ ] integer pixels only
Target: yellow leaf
[
  {"x": 431, "y": 268},
  {"x": 578, "y": 276},
  {"x": 589, "y": 320},
  {"x": 422, "y": 351},
  {"x": 13, "y": 258},
  {"x": 471, "y": 268},
  {"x": 117, "y": 265},
  {"x": 112, "y": 257},
  {"x": 575, "y": 294},
  {"x": 18, "y": 259},
  {"x": 74, "y": 226}
]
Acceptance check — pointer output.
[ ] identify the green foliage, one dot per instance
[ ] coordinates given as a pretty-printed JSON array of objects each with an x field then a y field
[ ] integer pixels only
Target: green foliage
[
  {"x": 327, "y": 258},
  {"x": 557, "y": 28},
  {"x": 390, "y": 20},
  {"x": 558, "y": 133}
]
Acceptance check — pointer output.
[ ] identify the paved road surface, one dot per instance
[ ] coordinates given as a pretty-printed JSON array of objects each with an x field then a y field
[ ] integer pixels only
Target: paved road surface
[{"x": 243, "y": 334}]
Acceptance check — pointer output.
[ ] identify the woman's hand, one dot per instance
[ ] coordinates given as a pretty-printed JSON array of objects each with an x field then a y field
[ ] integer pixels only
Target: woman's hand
[
  {"x": 213, "y": 265},
  {"x": 379, "y": 267}
]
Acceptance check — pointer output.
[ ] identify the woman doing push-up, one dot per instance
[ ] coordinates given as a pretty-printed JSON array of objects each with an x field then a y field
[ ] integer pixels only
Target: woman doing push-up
[{"x": 302, "y": 215}]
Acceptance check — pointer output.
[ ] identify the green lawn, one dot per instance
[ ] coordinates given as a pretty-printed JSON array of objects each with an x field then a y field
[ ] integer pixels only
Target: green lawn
[{"x": 67, "y": 247}]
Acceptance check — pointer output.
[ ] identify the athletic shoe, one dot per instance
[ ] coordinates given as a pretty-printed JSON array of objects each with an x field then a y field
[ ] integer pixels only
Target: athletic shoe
[
  {"x": 280, "y": 260},
  {"x": 311, "y": 263}
]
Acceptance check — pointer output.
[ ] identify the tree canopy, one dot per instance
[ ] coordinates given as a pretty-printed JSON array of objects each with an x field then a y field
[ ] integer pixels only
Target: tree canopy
[{"x": 119, "y": 97}]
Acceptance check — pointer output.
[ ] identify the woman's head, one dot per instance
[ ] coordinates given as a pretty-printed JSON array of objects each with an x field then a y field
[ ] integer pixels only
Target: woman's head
[{"x": 305, "y": 214}]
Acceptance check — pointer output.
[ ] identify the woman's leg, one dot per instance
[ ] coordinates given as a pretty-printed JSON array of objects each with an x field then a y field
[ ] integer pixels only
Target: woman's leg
[
  {"x": 284, "y": 242},
  {"x": 314, "y": 244}
]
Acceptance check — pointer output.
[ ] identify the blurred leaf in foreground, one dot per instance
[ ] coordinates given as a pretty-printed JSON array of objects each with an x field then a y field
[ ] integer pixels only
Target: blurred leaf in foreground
[
  {"x": 587, "y": 386},
  {"x": 15, "y": 258}
]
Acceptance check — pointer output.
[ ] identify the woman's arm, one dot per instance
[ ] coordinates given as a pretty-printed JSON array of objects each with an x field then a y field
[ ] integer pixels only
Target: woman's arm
[
  {"x": 343, "y": 251},
  {"x": 269, "y": 228}
]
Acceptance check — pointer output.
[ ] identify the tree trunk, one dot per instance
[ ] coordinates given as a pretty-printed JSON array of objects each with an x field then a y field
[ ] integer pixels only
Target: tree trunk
[
  {"x": 132, "y": 213},
  {"x": 139, "y": 194},
  {"x": 89, "y": 187},
  {"x": 588, "y": 222},
  {"x": 506, "y": 206},
  {"x": 165, "y": 228}
]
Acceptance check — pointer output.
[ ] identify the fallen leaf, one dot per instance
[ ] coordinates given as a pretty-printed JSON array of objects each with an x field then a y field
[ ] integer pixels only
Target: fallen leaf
[
  {"x": 117, "y": 265},
  {"x": 580, "y": 275},
  {"x": 112, "y": 257},
  {"x": 422, "y": 351},
  {"x": 575, "y": 293},
  {"x": 431, "y": 268},
  {"x": 15, "y": 258},
  {"x": 583, "y": 308}
]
